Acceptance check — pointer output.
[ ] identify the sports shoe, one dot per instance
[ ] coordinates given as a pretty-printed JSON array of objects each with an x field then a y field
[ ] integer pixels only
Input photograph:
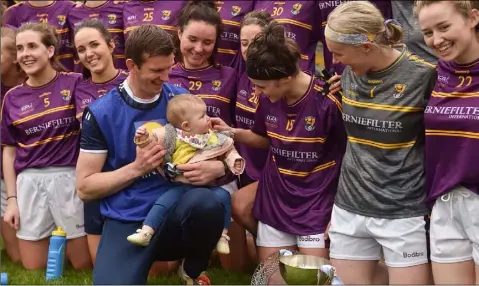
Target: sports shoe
[{"x": 202, "y": 279}]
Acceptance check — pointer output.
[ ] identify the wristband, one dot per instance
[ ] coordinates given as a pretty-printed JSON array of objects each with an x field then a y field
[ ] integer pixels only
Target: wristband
[{"x": 11, "y": 197}]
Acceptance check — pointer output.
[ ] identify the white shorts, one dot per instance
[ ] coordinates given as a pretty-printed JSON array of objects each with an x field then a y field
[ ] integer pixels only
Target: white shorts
[
  {"x": 455, "y": 227},
  {"x": 3, "y": 191},
  {"x": 47, "y": 198},
  {"x": 355, "y": 237},
  {"x": 268, "y": 236}
]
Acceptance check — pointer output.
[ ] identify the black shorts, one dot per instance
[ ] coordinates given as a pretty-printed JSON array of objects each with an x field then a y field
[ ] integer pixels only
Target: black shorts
[{"x": 93, "y": 219}]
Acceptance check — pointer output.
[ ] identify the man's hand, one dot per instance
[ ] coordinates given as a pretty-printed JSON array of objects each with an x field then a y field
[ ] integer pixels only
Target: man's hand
[
  {"x": 202, "y": 173},
  {"x": 149, "y": 158}
]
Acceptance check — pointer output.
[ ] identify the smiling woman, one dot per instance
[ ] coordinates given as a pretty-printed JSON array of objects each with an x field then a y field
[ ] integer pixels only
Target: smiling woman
[
  {"x": 94, "y": 45},
  {"x": 451, "y": 30},
  {"x": 41, "y": 136}
]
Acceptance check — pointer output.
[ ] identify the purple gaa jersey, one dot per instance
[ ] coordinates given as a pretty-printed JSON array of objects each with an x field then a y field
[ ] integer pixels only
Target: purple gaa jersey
[
  {"x": 231, "y": 12},
  {"x": 111, "y": 14},
  {"x": 326, "y": 7},
  {"x": 307, "y": 140},
  {"x": 452, "y": 121},
  {"x": 88, "y": 91},
  {"x": 40, "y": 122},
  {"x": 3, "y": 91},
  {"x": 299, "y": 19},
  {"x": 55, "y": 15},
  {"x": 215, "y": 85},
  {"x": 157, "y": 12},
  {"x": 246, "y": 104}
]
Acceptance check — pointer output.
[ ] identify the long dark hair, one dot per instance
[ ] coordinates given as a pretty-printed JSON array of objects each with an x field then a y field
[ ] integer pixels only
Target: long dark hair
[
  {"x": 201, "y": 11},
  {"x": 271, "y": 55},
  {"x": 97, "y": 25}
]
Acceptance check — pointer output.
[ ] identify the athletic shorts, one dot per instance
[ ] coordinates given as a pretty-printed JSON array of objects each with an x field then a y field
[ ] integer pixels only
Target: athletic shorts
[
  {"x": 47, "y": 198},
  {"x": 455, "y": 227},
  {"x": 268, "y": 236},
  {"x": 94, "y": 221},
  {"x": 355, "y": 237}
]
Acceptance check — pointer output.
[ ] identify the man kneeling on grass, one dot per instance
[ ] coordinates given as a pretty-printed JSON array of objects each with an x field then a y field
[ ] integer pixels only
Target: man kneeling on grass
[{"x": 111, "y": 168}]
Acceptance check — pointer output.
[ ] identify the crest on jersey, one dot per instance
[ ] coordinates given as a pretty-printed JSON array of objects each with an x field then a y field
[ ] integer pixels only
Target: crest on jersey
[
  {"x": 165, "y": 14},
  {"x": 216, "y": 85},
  {"x": 66, "y": 94},
  {"x": 296, "y": 8},
  {"x": 399, "y": 90},
  {"x": 111, "y": 19},
  {"x": 235, "y": 10},
  {"x": 62, "y": 19},
  {"x": 309, "y": 123}
]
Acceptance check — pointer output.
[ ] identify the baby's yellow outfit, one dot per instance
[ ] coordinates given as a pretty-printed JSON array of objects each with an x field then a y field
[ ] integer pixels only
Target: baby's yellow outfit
[{"x": 187, "y": 144}]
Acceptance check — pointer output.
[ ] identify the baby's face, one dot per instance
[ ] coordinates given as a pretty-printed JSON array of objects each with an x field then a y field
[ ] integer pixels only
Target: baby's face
[{"x": 198, "y": 121}]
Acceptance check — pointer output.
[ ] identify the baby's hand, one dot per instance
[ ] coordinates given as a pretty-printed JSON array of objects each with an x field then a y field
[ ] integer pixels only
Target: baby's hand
[
  {"x": 141, "y": 136},
  {"x": 141, "y": 131}
]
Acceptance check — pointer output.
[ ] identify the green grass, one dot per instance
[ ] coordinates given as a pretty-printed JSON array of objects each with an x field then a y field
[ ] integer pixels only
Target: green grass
[{"x": 18, "y": 275}]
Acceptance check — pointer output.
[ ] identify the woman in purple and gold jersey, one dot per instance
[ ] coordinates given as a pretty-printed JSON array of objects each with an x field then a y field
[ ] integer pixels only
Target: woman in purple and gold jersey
[
  {"x": 246, "y": 105},
  {"x": 301, "y": 25},
  {"x": 12, "y": 75},
  {"x": 157, "y": 12},
  {"x": 40, "y": 136},
  {"x": 231, "y": 13},
  {"x": 302, "y": 124},
  {"x": 51, "y": 12},
  {"x": 451, "y": 30},
  {"x": 94, "y": 45},
  {"x": 110, "y": 12},
  {"x": 199, "y": 31}
]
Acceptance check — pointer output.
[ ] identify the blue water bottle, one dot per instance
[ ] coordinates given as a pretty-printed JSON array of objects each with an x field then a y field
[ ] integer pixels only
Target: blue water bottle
[
  {"x": 4, "y": 279},
  {"x": 56, "y": 254}
]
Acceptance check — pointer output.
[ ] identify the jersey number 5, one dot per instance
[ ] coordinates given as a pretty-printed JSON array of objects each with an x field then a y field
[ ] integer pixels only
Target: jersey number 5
[{"x": 46, "y": 101}]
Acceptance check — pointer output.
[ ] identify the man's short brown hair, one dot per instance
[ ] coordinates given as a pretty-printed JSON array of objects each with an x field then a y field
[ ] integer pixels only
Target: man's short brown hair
[{"x": 148, "y": 41}]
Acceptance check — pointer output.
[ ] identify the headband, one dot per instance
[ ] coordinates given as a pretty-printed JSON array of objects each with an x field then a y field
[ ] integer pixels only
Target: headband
[
  {"x": 355, "y": 39},
  {"x": 268, "y": 73}
]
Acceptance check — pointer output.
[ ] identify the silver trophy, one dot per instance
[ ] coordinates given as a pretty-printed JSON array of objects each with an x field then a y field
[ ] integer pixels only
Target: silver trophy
[{"x": 294, "y": 269}]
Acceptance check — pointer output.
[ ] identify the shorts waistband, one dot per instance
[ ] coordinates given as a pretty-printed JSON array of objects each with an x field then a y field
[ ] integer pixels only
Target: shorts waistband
[{"x": 47, "y": 170}]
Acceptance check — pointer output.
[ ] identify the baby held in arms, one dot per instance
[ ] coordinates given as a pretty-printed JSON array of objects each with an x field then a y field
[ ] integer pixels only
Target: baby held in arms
[{"x": 188, "y": 138}]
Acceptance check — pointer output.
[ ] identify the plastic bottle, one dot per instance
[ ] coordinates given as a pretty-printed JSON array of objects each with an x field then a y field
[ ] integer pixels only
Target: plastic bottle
[
  {"x": 56, "y": 254},
  {"x": 4, "y": 279}
]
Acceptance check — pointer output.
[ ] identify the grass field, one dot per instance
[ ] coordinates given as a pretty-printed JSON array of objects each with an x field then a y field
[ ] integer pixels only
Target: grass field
[{"x": 18, "y": 275}]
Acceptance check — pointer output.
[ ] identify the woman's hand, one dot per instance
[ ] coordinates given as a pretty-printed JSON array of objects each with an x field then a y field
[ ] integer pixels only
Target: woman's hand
[
  {"x": 202, "y": 173},
  {"x": 218, "y": 124},
  {"x": 335, "y": 84},
  {"x": 12, "y": 215}
]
